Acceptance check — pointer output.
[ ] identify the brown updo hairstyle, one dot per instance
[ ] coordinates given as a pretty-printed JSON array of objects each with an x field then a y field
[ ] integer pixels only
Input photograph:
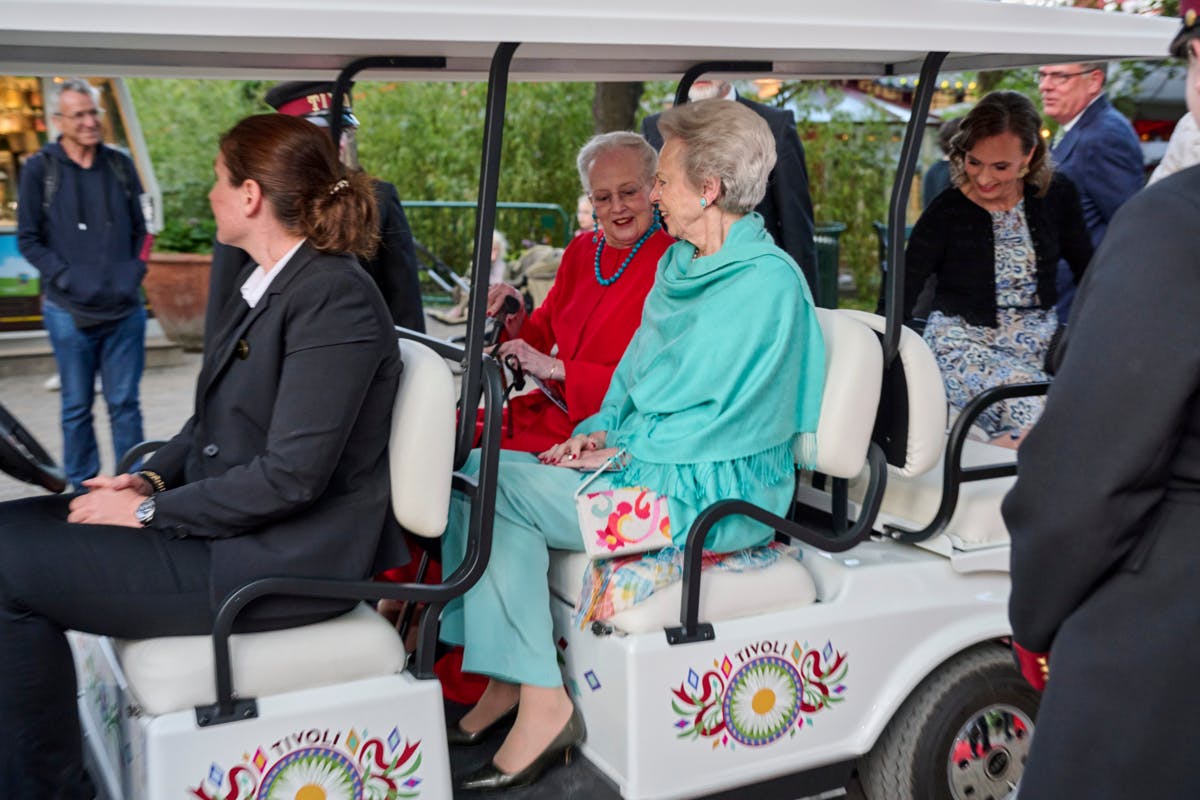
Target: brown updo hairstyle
[
  {"x": 997, "y": 113},
  {"x": 310, "y": 192}
]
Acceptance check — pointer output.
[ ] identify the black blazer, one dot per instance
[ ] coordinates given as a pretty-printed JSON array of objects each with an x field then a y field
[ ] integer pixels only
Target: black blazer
[
  {"x": 1105, "y": 516},
  {"x": 394, "y": 268},
  {"x": 786, "y": 208},
  {"x": 282, "y": 465},
  {"x": 953, "y": 242}
]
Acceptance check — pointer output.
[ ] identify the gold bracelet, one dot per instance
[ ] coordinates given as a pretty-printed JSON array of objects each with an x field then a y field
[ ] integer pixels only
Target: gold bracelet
[{"x": 157, "y": 484}]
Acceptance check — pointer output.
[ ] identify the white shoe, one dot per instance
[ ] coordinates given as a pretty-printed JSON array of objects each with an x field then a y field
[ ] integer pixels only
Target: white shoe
[{"x": 52, "y": 384}]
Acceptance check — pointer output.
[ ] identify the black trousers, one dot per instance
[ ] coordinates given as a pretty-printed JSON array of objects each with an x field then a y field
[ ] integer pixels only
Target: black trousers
[{"x": 54, "y": 575}]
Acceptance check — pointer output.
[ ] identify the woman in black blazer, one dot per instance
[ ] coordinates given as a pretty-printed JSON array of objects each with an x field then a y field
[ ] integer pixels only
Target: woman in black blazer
[
  {"x": 280, "y": 470},
  {"x": 993, "y": 242}
]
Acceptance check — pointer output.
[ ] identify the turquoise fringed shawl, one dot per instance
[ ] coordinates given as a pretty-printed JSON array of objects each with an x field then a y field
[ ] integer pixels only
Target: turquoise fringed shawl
[{"x": 723, "y": 376}]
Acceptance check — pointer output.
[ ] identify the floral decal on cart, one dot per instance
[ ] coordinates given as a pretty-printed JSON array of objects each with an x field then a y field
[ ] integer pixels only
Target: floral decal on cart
[
  {"x": 765, "y": 692},
  {"x": 320, "y": 764}
]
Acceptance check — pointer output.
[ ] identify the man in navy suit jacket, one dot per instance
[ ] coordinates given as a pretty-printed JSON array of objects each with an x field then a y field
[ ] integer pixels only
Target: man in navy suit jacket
[{"x": 1098, "y": 151}]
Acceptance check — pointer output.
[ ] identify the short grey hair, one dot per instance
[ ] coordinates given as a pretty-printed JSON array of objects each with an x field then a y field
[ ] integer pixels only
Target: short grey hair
[
  {"x": 1095, "y": 66},
  {"x": 75, "y": 85},
  {"x": 605, "y": 142},
  {"x": 727, "y": 141}
]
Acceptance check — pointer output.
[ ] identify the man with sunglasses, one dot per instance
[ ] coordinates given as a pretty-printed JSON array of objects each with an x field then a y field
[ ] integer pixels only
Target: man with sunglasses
[
  {"x": 1095, "y": 147},
  {"x": 80, "y": 223}
]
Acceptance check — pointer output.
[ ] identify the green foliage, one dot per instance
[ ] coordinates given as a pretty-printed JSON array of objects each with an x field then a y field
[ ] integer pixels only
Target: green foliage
[
  {"x": 851, "y": 165},
  {"x": 426, "y": 139},
  {"x": 182, "y": 120}
]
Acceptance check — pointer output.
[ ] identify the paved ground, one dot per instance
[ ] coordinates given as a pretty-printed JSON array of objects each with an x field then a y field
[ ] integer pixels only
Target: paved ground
[{"x": 166, "y": 405}]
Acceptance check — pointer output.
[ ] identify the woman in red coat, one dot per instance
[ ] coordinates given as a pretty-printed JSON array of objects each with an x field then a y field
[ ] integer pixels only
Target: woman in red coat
[{"x": 573, "y": 341}]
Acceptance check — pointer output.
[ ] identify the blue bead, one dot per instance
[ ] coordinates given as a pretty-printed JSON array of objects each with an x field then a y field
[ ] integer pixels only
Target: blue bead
[{"x": 620, "y": 270}]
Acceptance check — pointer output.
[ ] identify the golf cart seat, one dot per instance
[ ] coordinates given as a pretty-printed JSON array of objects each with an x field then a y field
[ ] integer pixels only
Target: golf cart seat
[
  {"x": 853, "y": 370},
  {"x": 347, "y": 671},
  {"x": 917, "y": 476}
]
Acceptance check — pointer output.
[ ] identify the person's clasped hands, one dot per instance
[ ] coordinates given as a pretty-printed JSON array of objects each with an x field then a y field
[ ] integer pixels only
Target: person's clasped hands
[
  {"x": 582, "y": 451},
  {"x": 110, "y": 500}
]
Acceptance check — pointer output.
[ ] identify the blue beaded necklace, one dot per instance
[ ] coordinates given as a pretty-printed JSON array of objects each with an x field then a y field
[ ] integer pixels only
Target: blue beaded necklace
[{"x": 620, "y": 270}]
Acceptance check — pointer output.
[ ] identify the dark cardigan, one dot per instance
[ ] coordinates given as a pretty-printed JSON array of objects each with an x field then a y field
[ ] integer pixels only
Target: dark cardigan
[{"x": 953, "y": 240}]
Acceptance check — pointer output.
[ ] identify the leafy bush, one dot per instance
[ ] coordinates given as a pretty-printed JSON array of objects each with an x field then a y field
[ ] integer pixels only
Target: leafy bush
[
  {"x": 182, "y": 121},
  {"x": 424, "y": 138}
]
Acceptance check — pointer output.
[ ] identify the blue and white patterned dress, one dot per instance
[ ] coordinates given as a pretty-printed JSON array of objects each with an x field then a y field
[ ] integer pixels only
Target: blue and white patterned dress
[{"x": 974, "y": 358}]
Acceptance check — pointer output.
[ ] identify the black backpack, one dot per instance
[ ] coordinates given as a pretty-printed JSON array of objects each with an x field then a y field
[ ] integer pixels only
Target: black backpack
[{"x": 52, "y": 178}]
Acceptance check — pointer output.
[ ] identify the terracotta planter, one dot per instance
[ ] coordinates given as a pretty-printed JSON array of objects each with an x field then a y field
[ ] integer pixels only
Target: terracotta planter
[{"x": 176, "y": 286}]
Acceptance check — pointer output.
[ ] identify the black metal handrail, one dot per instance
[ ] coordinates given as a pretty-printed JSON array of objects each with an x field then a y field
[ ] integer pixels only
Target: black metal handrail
[
  {"x": 485, "y": 224},
  {"x": 341, "y": 87},
  {"x": 953, "y": 473},
  {"x": 898, "y": 206},
  {"x": 695, "y": 71},
  {"x": 836, "y": 539}
]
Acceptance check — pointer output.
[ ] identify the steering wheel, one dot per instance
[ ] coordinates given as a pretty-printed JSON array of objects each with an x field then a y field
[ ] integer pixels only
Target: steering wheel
[{"x": 24, "y": 459}]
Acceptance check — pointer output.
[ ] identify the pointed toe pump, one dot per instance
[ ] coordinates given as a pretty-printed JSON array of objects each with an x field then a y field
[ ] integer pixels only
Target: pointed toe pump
[
  {"x": 457, "y": 737},
  {"x": 489, "y": 778}
]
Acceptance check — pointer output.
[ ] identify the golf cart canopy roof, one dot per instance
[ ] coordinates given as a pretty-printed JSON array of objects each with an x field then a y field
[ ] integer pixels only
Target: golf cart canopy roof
[{"x": 617, "y": 40}]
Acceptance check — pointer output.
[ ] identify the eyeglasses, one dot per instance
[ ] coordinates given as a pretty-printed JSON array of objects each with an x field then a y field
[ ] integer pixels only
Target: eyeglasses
[
  {"x": 80, "y": 116},
  {"x": 1057, "y": 78},
  {"x": 604, "y": 198}
]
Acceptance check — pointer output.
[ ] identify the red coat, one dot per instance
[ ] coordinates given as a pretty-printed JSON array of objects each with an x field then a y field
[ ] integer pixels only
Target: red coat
[{"x": 592, "y": 325}]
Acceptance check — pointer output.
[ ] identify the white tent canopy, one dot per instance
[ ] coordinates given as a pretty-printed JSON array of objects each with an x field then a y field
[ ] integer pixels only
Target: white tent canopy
[{"x": 560, "y": 39}]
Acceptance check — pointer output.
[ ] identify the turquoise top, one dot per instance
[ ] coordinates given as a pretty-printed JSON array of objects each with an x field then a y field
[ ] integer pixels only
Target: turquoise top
[{"x": 721, "y": 380}]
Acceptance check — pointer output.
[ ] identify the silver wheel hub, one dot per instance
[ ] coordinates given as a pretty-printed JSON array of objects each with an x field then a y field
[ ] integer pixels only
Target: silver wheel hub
[{"x": 988, "y": 753}]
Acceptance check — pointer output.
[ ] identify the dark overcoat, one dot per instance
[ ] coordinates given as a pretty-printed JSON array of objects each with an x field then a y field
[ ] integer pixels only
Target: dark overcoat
[{"x": 1105, "y": 518}]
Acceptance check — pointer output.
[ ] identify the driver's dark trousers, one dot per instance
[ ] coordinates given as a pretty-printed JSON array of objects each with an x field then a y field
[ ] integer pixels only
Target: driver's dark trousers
[{"x": 54, "y": 576}]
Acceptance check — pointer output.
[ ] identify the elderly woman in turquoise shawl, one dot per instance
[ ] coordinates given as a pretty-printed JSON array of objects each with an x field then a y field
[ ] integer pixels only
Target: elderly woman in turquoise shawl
[{"x": 719, "y": 388}]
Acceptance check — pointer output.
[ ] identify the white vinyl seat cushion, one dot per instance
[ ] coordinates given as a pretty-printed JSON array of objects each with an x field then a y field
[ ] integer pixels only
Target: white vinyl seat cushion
[
  {"x": 173, "y": 673},
  {"x": 421, "y": 443},
  {"x": 925, "y": 396},
  {"x": 976, "y": 521},
  {"x": 176, "y": 672},
  {"x": 724, "y": 595},
  {"x": 850, "y": 398}
]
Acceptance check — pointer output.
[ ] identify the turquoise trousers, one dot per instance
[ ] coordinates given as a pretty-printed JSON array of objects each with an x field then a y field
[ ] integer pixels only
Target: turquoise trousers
[{"x": 504, "y": 622}]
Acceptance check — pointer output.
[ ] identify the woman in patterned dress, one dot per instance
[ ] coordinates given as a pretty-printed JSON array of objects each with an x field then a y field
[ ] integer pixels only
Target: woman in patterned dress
[{"x": 992, "y": 242}]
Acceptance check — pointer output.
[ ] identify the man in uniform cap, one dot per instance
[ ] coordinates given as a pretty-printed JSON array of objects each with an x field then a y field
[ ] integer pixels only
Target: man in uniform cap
[
  {"x": 394, "y": 266},
  {"x": 1105, "y": 512}
]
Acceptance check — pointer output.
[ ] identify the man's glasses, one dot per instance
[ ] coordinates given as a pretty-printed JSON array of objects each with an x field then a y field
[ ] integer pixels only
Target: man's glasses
[
  {"x": 80, "y": 116},
  {"x": 1058, "y": 78}
]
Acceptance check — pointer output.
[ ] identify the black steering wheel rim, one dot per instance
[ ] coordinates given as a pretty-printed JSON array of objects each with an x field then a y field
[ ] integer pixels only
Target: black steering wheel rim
[{"x": 24, "y": 459}]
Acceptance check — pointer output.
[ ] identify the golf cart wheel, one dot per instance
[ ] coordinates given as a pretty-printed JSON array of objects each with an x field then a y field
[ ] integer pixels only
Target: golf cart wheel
[{"x": 963, "y": 734}]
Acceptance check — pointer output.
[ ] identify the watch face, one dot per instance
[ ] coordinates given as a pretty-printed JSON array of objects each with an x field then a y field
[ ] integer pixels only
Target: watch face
[{"x": 145, "y": 512}]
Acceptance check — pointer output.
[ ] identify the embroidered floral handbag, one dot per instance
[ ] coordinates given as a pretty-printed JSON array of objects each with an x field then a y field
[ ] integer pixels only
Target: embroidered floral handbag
[{"x": 623, "y": 520}]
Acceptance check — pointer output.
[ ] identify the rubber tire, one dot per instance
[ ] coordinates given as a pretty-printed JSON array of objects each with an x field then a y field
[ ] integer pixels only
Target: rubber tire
[{"x": 908, "y": 762}]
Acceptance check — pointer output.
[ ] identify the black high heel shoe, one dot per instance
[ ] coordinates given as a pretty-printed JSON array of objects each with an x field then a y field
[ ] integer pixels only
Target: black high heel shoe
[
  {"x": 457, "y": 737},
  {"x": 490, "y": 778}
]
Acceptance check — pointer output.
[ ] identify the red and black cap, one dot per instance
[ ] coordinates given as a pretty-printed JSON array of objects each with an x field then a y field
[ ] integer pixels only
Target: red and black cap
[
  {"x": 312, "y": 100},
  {"x": 1190, "y": 11}
]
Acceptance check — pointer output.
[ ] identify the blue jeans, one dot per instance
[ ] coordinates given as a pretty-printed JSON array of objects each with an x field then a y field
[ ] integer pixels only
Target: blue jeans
[{"x": 115, "y": 349}]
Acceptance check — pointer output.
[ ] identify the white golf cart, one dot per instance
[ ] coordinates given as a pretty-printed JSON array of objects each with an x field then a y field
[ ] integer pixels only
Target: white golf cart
[{"x": 880, "y": 645}]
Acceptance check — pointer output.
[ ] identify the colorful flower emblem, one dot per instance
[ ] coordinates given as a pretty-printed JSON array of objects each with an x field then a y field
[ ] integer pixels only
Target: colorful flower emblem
[{"x": 761, "y": 701}]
